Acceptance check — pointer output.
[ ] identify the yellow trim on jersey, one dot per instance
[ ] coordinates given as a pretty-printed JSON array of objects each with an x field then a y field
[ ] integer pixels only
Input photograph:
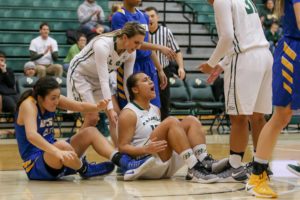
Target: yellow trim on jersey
[
  {"x": 120, "y": 70},
  {"x": 287, "y": 76},
  {"x": 121, "y": 95},
  {"x": 290, "y": 52},
  {"x": 287, "y": 64},
  {"x": 287, "y": 88},
  {"x": 119, "y": 78},
  {"x": 121, "y": 11},
  {"x": 28, "y": 165},
  {"x": 120, "y": 87}
]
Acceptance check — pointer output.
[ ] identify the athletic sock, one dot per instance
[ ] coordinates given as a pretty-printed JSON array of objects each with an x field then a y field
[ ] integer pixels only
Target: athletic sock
[
  {"x": 259, "y": 166},
  {"x": 235, "y": 160},
  {"x": 83, "y": 167},
  {"x": 115, "y": 158},
  {"x": 200, "y": 151},
  {"x": 189, "y": 158}
]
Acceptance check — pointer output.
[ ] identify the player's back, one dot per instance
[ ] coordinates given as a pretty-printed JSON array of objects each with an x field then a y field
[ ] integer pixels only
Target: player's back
[{"x": 248, "y": 31}]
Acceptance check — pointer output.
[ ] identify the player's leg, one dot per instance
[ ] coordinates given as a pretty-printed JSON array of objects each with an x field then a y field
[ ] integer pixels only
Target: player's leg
[{"x": 171, "y": 131}]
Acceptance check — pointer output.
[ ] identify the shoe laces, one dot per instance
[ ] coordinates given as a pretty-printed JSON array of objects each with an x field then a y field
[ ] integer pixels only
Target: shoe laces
[
  {"x": 199, "y": 168},
  {"x": 209, "y": 158},
  {"x": 136, "y": 163}
]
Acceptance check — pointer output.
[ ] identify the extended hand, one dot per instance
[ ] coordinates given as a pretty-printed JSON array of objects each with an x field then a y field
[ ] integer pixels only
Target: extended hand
[
  {"x": 205, "y": 68},
  {"x": 171, "y": 55},
  {"x": 181, "y": 73},
  {"x": 215, "y": 74},
  {"x": 163, "y": 79},
  {"x": 101, "y": 105}
]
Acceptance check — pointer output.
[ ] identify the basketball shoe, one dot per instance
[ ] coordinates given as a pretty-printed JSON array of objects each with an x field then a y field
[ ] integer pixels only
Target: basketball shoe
[
  {"x": 231, "y": 174},
  {"x": 96, "y": 169},
  {"x": 258, "y": 186},
  {"x": 200, "y": 174}
]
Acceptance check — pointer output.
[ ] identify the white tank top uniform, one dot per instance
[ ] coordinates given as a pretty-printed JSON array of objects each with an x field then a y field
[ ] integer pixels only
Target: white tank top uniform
[
  {"x": 147, "y": 120},
  {"x": 247, "y": 61},
  {"x": 88, "y": 74}
]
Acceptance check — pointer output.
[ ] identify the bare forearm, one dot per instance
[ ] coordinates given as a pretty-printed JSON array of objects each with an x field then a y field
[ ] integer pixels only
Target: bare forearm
[
  {"x": 150, "y": 46},
  {"x": 179, "y": 60},
  {"x": 38, "y": 141},
  {"x": 156, "y": 61}
]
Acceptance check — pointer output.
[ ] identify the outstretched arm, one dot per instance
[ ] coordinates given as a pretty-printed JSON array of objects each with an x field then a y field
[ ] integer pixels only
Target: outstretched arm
[{"x": 69, "y": 104}]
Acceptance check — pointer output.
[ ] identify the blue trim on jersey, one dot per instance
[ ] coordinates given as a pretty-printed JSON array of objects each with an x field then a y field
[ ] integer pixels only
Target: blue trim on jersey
[{"x": 286, "y": 74}]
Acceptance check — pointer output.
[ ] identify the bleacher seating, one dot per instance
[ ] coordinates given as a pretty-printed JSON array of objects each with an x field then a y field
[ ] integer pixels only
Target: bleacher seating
[{"x": 20, "y": 20}]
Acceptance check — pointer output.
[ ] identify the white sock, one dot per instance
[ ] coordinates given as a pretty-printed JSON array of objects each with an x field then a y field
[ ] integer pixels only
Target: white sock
[
  {"x": 189, "y": 158},
  {"x": 261, "y": 161},
  {"x": 200, "y": 151},
  {"x": 235, "y": 160}
]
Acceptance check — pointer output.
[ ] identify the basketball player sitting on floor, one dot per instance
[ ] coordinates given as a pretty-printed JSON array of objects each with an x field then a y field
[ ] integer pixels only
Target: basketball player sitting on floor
[{"x": 171, "y": 142}]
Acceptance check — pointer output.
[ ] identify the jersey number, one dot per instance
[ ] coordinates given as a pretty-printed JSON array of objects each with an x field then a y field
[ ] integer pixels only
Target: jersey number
[
  {"x": 153, "y": 127},
  {"x": 250, "y": 7}
]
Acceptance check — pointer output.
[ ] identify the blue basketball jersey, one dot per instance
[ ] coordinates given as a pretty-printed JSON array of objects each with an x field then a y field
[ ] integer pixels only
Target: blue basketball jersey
[
  {"x": 122, "y": 16},
  {"x": 290, "y": 28},
  {"x": 44, "y": 127}
]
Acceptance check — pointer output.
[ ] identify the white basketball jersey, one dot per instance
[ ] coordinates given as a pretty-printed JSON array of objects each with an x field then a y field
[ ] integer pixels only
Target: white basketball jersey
[
  {"x": 146, "y": 122},
  {"x": 98, "y": 55},
  {"x": 248, "y": 31}
]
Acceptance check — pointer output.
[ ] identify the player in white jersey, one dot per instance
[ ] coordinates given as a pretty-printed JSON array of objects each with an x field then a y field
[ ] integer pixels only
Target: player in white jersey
[
  {"x": 171, "y": 142},
  {"x": 88, "y": 74},
  {"x": 247, "y": 64}
]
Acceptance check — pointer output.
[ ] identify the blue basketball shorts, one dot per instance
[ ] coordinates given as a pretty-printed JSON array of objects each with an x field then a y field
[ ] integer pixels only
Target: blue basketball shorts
[{"x": 286, "y": 73}]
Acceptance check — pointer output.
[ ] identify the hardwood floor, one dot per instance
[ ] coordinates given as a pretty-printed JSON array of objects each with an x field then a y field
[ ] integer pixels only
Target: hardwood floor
[{"x": 14, "y": 184}]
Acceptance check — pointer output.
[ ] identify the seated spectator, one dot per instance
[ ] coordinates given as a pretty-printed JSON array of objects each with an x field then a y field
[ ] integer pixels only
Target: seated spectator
[
  {"x": 7, "y": 86},
  {"x": 273, "y": 36},
  {"x": 44, "y": 51},
  {"x": 29, "y": 69},
  {"x": 267, "y": 14},
  {"x": 75, "y": 49},
  {"x": 91, "y": 17}
]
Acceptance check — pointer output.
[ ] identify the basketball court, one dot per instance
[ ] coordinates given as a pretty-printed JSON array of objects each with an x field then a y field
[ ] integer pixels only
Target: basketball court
[{"x": 14, "y": 184}]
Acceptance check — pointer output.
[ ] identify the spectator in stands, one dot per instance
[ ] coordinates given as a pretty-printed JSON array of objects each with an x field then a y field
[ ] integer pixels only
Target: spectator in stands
[
  {"x": 114, "y": 8},
  {"x": 267, "y": 15},
  {"x": 272, "y": 36},
  {"x": 163, "y": 36},
  {"x": 91, "y": 17},
  {"x": 29, "y": 69},
  {"x": 75, "y": 49},
  {"x": 7, "y": 86},
  {"x": 44, "y": 51}
]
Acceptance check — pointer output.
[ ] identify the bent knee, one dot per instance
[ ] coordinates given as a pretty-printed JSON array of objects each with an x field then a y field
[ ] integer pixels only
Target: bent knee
[
  {"x": 63, "y": 145},
  {"x": 172, "y": 121}
]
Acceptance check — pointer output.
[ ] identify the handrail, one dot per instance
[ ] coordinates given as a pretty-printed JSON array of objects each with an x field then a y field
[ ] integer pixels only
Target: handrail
[{"x": 184, "y": 5}]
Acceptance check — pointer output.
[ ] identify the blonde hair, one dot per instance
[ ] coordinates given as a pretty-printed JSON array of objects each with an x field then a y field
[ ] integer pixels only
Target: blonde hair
[
  {"x": 131, "y": 29},
  {"x": 279, "y": 7},
  {"x": 116, "y": 6}
]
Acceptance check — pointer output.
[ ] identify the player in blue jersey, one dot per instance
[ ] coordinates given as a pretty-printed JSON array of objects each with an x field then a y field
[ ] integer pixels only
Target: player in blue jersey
[
  {"x": 146, "y": 60},
  {"x": 286, "y": 95},
  {"x": 44, "y": 157}
]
